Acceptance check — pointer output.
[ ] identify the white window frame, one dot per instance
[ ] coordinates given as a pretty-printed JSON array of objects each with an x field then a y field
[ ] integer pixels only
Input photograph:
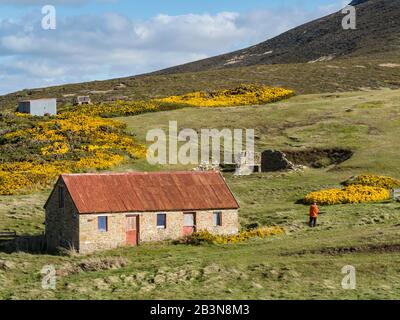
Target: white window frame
[{"x": 215, "y": 224}]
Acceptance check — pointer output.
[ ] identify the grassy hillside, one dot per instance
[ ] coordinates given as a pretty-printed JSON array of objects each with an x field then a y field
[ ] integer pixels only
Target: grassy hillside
[
  {"x": 305, "y": 263},
  {"x": 375, "y": 71},
  {"x": 366, "y": 122}
]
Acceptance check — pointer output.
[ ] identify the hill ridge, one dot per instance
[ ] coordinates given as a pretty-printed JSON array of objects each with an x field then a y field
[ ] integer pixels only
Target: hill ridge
[{"x": 323, "y": 39}]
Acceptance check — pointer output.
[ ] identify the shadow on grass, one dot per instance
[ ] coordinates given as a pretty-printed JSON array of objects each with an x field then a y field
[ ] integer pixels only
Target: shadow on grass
[{"x": 25, "y": 243}]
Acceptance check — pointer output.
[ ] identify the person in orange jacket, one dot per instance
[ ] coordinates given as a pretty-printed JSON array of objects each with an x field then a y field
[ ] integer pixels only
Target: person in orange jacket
[{"x": 314, "y": 210}]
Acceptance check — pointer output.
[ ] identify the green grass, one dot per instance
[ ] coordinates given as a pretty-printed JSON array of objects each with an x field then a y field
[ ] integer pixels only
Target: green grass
[
  {"x": 23, "y": 213},
  {"x": 283, "y": 267},
  {"x": 320, "y": 120},
  {"x": 303, "y": 264}
]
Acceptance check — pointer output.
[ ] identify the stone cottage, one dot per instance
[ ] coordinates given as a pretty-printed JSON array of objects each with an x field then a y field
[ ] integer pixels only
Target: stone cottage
[{"x": 90, "y": 212}]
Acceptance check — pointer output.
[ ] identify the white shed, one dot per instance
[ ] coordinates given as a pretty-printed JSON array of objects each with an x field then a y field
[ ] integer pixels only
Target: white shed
[{"x": 39, "y": 107}]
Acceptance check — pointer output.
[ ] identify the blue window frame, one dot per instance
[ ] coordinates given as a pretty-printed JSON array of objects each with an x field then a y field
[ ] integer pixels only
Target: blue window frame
[
  {"x": 161, "y": 221},
  {"x": 102, "y": 223}
]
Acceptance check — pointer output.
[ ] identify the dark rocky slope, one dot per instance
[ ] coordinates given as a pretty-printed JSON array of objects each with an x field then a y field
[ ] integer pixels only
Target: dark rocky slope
[{"x": 378, "y": 30}]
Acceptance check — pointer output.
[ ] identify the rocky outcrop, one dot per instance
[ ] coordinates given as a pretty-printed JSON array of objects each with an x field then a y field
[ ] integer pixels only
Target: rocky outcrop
[{"x": 273, "y": 160}]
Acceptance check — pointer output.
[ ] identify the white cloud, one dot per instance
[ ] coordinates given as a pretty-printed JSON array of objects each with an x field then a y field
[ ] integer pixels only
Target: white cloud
[{"x": 98, "y": 47}]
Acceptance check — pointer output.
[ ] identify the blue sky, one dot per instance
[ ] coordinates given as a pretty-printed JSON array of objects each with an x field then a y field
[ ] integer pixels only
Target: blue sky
[
  {"x": 101, "y": 39},
  {"x": 145, "y": 9}
]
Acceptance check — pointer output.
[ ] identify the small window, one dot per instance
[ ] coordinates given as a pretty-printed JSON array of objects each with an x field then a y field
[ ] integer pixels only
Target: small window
[
  {"x": 189, "y": 219},
  {"x": 161, "y": 221},
  {"x": 102, "y": 224},
  {"x": 217, "y": 219},
  {"x": 60, "y": 197}
]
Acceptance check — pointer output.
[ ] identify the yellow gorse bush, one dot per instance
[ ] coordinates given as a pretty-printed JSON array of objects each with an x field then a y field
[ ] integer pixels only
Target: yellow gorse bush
[
  {"x": 74, "y": 142},
  {"x": 22, "y": 115},
  {"x": 55, "y": 148},
  {"x": 349, "y": 194},
  {"x": 205, "y": 236},
  {"x": 374, "y": 181},
  {"x": 239, "y": 96},
  {"x": 123, "y": 108},
  {"x": 12, "y": 181},
  {"x": 84, "y": 139},
  {"x": 77, "y": 140},
  {"x": 21, "y": 175}
]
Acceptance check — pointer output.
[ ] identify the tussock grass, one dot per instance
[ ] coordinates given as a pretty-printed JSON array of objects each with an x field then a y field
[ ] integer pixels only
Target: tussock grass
[{"x": 93, "y": 264}]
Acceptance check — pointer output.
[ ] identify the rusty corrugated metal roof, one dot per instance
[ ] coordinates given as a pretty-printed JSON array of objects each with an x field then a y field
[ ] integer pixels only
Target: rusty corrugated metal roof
[{"x": 153, "y": 191}]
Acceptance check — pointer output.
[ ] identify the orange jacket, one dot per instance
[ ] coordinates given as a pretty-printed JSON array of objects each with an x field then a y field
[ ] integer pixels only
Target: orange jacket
[{"x": 314, "y": 211}]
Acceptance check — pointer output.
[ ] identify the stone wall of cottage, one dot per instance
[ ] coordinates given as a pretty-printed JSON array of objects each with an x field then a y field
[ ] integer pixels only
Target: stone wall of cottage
[
  {"x": 91, "y": 239},
  {"x": 61, "y": 224},
  {"x": 230, "y": 222},
  {"x": 174, "y": 224},
  {"x": 150, "y": 232}
]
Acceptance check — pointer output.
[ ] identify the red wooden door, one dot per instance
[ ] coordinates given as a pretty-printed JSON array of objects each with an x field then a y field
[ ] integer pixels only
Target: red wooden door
[
  {"x": 189, "y": 223},
  {"x": 132, "y": 230}
]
